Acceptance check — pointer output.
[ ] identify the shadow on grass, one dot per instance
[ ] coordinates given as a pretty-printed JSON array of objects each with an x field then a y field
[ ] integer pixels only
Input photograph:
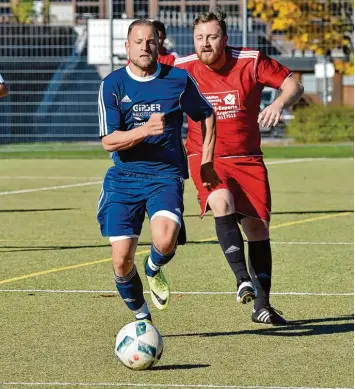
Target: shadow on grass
[
  {"x": 311, "y": 327},
  {"x": 14, "y": 249},
  {"x": 186, "y": 215},
  {"x": 180, "y": 367}
]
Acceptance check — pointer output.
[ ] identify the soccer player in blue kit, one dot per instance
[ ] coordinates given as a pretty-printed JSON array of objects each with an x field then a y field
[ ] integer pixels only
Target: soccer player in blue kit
[{"x": 141, "y": 114}]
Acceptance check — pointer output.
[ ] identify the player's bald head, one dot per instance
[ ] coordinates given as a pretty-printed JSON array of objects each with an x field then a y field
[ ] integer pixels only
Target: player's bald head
[{"x": 142, "y": 23}]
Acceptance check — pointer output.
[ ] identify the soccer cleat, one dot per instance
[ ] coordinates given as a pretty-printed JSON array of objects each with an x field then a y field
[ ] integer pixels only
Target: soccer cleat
[
  {"x": 159, "y": 289},
  {"x": 246, "y": 292},
  {"x": 268, "y": 315}
]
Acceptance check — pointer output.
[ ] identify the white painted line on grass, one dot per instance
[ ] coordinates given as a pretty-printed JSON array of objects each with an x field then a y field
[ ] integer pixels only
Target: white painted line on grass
[
  {"x": 50, "y": 188},
  {"x": 294, "y": 160},
  {"x": 48, "y": 178},
  {"x": 143, "y": 385},
  {"x": 315, "y": 243},
  {"x": 83, "y": 291},
  {"x": 280, "y": 162}
]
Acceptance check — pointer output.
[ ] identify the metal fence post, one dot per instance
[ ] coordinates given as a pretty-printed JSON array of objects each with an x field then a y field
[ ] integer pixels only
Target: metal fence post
[
  {"x": 245, "y": 23},
  {"x": 110, "y": 11}
]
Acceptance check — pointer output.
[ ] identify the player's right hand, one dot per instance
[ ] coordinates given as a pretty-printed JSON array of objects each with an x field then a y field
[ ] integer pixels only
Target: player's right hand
[
  {"x": 155, "y": 124},
  {"x": 209, "y": 177}
]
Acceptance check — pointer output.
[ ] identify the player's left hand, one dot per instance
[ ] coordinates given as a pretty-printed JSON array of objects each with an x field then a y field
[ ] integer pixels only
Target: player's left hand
[
  {"x": 209, "y": 176},
  {"x": 270, "y": 116}
]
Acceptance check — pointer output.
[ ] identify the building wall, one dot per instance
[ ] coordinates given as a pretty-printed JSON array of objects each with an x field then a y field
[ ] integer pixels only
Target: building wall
[{"x": 348, "y": 95}]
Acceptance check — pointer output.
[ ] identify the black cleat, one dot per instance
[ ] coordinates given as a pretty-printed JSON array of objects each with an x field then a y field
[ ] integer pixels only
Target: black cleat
[{"x": 268, "y": 315}]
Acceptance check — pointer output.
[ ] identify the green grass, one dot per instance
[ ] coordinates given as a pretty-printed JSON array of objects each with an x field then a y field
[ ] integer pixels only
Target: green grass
[
  {"x": 310, "y": 151},
  {"x": 69, "y": 338},
  {"x": 95, "y": 151}
]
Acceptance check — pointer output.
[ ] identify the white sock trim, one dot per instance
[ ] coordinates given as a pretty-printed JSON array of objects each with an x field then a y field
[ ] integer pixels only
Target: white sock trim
[
  {"x": 142, "y": 312},
  {"x": 152, "y": 265}
]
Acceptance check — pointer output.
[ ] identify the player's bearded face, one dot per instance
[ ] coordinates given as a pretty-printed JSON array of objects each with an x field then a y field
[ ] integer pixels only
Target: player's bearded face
[
  {"x": 142, "y": 47},
  {"x": 209, "y": 42}
]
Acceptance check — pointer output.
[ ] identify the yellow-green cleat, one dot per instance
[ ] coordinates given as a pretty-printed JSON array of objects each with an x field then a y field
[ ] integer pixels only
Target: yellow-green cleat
[{"x": 159, "y": 288}]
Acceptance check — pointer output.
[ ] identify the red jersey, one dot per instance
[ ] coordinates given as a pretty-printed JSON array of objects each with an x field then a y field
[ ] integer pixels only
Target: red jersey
[
  {"x": 235, "y": 93},
  {"x": 167, "y": 57}
]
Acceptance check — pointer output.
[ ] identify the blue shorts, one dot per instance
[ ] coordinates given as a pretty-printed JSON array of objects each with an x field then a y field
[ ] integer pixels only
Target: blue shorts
[{"x": 126, "y": 197}]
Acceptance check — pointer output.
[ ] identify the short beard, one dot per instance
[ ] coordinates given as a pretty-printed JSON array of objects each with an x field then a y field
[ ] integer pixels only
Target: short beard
[
  {"x": 143, "y": 63},
  {"x": 215, "y": 58}
]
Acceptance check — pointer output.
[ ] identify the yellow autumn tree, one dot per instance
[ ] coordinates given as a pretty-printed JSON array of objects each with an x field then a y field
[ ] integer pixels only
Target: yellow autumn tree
[
  {"x": 317, "y": 25},
  {"x": 22, "y": 11}
]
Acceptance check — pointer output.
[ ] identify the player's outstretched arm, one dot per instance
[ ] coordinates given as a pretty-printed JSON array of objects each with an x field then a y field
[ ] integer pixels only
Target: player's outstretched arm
[
  {"x": 208, "y": 175},
  {"x": 123, "y": 140},
  {"x": 291, "y": 92},
  {"x": 199, "y": 109},
  {"x": 208, "y": 127}
]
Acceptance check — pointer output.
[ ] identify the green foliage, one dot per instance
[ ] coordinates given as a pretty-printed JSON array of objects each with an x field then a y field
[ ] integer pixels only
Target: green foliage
[
  {"x": 22, "y": 11},
  {"x": 322, "y": 124}
]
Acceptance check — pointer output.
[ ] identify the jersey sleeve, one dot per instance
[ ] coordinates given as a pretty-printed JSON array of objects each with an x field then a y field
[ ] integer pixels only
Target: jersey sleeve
[
  {"x": 179, "y": 64},
  {"x": 1, "y": 80},
  {"x": 269, "y": 72},
  {"x": 109, "y": 110},
  {"x": 193, "y": 103}
]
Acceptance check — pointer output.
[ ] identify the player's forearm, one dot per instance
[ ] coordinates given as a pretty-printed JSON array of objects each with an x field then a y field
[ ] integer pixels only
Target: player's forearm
[
  {"x": 3, "y": 90},
  {"x": 123, "y": 140},
  {"x": 291, "y": 92},
  {"x": 209, "y": 138}
]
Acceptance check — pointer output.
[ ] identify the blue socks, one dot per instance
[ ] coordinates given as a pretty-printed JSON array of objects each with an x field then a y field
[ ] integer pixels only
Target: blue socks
[
  {"x": 130, "y": 289},
  {"x": 156, "y": 260}
]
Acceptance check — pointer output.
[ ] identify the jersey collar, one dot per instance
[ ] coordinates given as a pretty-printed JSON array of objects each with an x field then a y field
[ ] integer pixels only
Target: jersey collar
[{"x": 144, "y": 79}]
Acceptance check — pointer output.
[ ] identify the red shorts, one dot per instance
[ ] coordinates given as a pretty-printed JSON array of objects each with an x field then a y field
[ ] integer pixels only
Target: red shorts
[{"x": 245, "y": 177}]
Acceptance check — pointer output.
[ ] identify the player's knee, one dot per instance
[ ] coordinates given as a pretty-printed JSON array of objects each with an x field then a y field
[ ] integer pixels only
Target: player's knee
[
  {"x": 255, "y": 229},
  {"x": 122, "y": 258},
  {"x": 221, "y": 203},
  {"x": 122, "y": 265},
  {"x": 165, "y": 230},
  {"x": 165, "y": 245}
]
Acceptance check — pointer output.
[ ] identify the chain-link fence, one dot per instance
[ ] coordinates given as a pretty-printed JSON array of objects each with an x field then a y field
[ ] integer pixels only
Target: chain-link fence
[{"x": 53, "y": 88}]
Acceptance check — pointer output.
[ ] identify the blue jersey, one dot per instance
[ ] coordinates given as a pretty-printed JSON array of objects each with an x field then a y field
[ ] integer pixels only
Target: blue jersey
[{"x": 127, "y": 101}]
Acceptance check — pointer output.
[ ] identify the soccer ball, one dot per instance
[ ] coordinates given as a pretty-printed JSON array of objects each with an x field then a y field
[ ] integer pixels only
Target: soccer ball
[{"x": 139, "y": 345}]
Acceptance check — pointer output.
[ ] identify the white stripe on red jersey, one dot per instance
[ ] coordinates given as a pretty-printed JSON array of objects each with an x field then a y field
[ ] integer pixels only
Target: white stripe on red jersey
[{"x": 188, "y": 58}]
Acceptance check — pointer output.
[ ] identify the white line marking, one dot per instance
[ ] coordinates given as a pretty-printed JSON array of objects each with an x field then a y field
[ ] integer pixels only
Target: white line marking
[
  {"x": 119, "y": 384},
  {"x": 279, "y": 162},
  {"x": 315, "y": 243},
  {"x": 83, "y": 291},
  {"x": 50, "y": 188},
  {"x": 295, "y": 160},
  {"x": 48, "y": 178},
  {"x": 95, "y": 241}
]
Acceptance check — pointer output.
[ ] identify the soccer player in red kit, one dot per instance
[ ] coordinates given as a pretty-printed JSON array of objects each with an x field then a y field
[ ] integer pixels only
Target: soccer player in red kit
[
  {"x": 232, "y": 79},
  {"x": 165, "y": 56}
]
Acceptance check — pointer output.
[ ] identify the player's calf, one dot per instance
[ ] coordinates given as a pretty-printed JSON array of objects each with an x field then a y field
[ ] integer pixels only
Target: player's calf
[{"x": 130, "y": 288}]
